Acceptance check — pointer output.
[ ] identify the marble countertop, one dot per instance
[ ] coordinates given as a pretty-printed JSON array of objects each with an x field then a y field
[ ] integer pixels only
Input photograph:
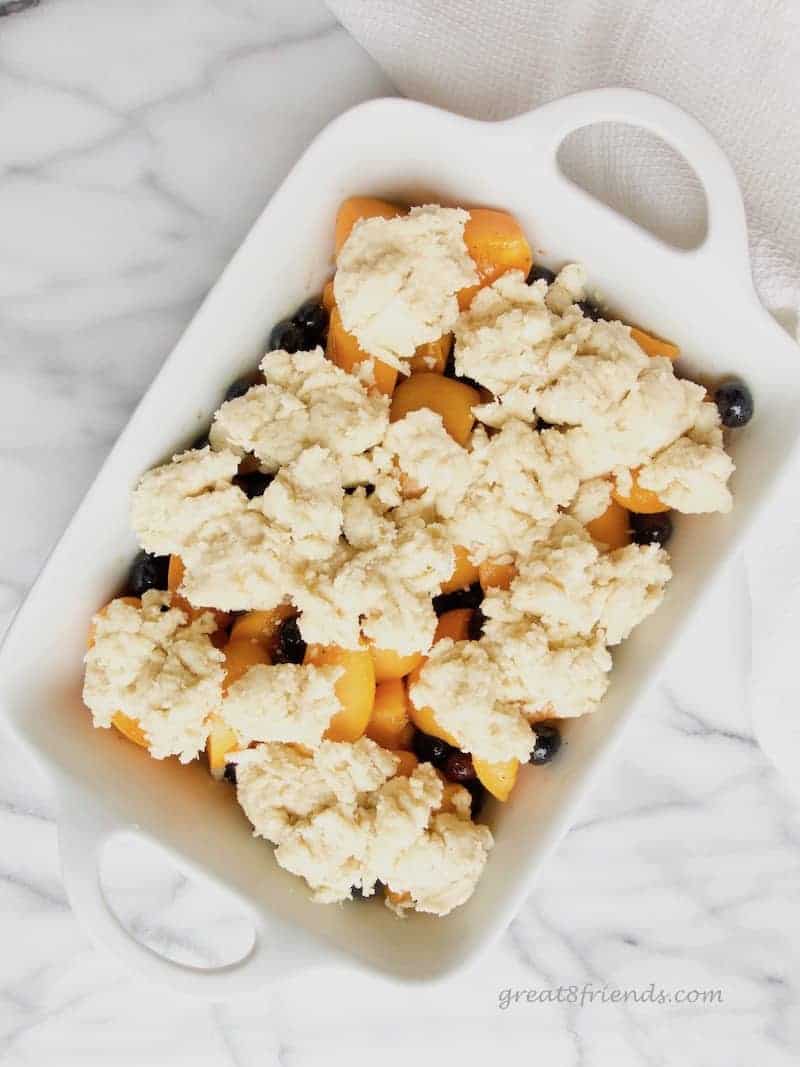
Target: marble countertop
[{"x": 138, "y": 140}]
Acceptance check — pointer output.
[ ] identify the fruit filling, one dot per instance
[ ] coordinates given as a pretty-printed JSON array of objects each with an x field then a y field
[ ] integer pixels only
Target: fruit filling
[{"x": 399, "y": 559}]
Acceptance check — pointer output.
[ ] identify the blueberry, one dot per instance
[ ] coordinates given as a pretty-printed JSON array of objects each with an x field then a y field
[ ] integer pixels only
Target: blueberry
[
  {"x": 538, "y": 272},
  {"x": 253, "y": 484},
  {"x": 478, "y": 794},
  {"x": 470, "y": 597},
  {"x": 312, "y": 318},
  {"x": 237, "y": 388},
  {"x": 475, "y": 628},
  {"x": 590, "y": 310},
  {"x": 291, "y": 646},
  {"x": 430, "y": 749},
  {"x": 147, "y": 572},
  {"x": 357, "y": 893},
  {"x": 735, "y": 403},
  {"x": 229, "y": 774},
  {"x": 651, "y": 529},
  {"x": 288, "y": 336},
  {"x": 458, "y": 767},
  {"x": 548, "y": 742}
]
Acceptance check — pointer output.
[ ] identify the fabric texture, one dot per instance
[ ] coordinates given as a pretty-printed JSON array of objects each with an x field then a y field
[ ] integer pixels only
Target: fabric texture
[{"x": 734, "y": 65}]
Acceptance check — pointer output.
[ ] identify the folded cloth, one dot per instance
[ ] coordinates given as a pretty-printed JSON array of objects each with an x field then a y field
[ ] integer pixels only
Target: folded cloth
[{"x": 736, "y": 67}]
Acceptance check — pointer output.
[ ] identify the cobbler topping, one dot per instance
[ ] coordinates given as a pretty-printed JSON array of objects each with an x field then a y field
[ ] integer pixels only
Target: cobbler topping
[
  {"x": 284, "y": 702},
  {"x": 158, "y": 666},
  {"x": 307, "y": 401},
  {"x": 340, "y": 820},
  {"x": 462, "y": 683},
  {"x": 397, "y": 279}
]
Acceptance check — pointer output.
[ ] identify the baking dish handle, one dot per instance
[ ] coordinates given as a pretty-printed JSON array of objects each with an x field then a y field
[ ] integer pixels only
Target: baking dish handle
[
  {"x": 725, "y": 244},
  {"x": 276, "y": 952}
]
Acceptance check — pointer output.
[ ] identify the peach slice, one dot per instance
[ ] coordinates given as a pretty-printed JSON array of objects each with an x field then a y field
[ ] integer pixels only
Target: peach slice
[
  {"x": 130, "y": 728},
  {"x": 328, "y": 299},
  {"x": 344, "y": 350},
  {"x": 174, "y": 579},
  {"x": 612, "y": 528},
  {"x": 496, "y": 575},
  {"x": 360, "y": 207},
  {"x": 389, "y": 724},
  {"x": 240, "y": 656},
  {"x": 451, "y": 399},
  {"x": 261, "y": 625},
  {"x": 496, "y": 243},
  {"x": 654, "y": 346},
  {"x": 464, "y": 573},
  {"x": 454, "y": 624},
  {"x": 638, "y": 500},
  {"x": 355, "y": 688},
  {"x": 407, "y": 765},
  {"x": 390, "y": 665},
  {"x": 220, "y": 743},
  {"x": 432, "y": 356},
  {"x": 498, "y": 778}
]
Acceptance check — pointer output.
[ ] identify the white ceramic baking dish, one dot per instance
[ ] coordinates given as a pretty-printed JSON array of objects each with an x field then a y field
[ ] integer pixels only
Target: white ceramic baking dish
[{"x": 703, "y": 299}]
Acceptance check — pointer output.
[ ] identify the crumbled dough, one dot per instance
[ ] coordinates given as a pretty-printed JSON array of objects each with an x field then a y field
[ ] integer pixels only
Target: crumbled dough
[
  {"x": 305, "y": 499},
  {"x": 520, "y": 479},
  {"x": 284, "y": 702},
  {"x": 563, "y": 679},
  {"x": 157, "y": 668},
  {"x": 691, "y": 475},
  {"x": 657, "y": 410},
  {"x": 592, "y": 500},
  {"x": 341, "y": 821},
  {"x": 426, "y": 453},
  {"x": 461, "y": 684},
  {"x": 172, "y": 501},
  {"x": 509, "y": 341},
  {"x": 396, "y": 280},
  {"x": 307, "y": 401},
  {"x": 567, "y": 584}
]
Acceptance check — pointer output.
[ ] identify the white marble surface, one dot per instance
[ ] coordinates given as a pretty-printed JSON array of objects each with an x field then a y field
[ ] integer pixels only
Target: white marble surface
[{"x": 137, "y": 142}]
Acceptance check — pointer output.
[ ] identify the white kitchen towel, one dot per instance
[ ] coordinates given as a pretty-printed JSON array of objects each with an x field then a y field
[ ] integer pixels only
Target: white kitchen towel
[{"x": 733, "y": 64}]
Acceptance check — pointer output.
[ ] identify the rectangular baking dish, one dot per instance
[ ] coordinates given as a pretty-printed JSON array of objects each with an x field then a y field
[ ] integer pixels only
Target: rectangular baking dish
[{"x": 702, "y": 299}]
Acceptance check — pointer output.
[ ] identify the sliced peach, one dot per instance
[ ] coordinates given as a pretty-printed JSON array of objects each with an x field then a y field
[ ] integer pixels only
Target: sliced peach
[
  {"x": 360, "y": 207},
  {"x": 612, "y": 528},
  {"x": 240, "y": 656},
  {"x": 454, "y": 624},
  {"x": 389, "y": 664},
  {"x": 328, "y": 299},
  {"x": 407, "y": 765},
  {"x": 261, "y": 625},
  {"x": 432, "y": 356},
  {"x": 401, "y": 899},
  {"x": 654, "y": 346},
  {"x": 498, "y": 778},
  {"x": 496, "y": 243},
  {"x": 451, "y": 399},
  {"x": 220, "y": 743},
  {"x": 174, "y": 579},
  {"x": 344, "y": 350},
  {"x": 496, "y": 575},
  {"x": 355, "y": 688},
  {"x": 130, "y": 728},
  {"x": 638, "y": 500},
  {"x": 464, "y": 573},
  {"x": 389, "y": 724}
]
